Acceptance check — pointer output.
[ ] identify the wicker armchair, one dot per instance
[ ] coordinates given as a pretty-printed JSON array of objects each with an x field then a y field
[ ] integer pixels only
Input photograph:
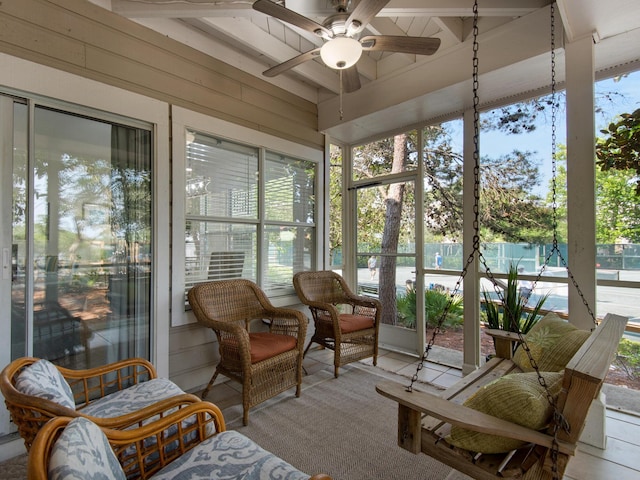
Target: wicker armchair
[
  {"x": 117, "y": 395},
  {"x": 193, "y": 438},
  {"x": 344, "y": 322},
  {"x": 265, "y": 363}
]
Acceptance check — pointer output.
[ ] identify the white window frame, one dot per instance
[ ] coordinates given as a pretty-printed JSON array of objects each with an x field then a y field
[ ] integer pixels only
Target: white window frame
[{"x": 183, "y": 120}]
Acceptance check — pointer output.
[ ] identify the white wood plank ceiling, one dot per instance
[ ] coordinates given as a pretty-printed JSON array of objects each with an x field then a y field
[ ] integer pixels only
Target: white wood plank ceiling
[{"x": 401, "y": 89}]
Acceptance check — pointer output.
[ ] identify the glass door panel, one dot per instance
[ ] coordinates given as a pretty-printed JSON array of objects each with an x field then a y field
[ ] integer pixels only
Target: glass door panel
[
  {"x": 80, "y": 238},
  {"x": 386, "y": 259}
]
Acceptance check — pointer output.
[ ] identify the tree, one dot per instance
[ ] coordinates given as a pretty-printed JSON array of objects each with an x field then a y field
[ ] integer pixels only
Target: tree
[
  {"x": 335, "y": 202},
  {"x": 508, "y": 208},
  {"x": 443, "y": 184},
  {"x": 620, "y": 149},
  {"x": 617, "y": 207},
  {"x": 561, "y": 194},
  {"x": 391, "y": 233}
]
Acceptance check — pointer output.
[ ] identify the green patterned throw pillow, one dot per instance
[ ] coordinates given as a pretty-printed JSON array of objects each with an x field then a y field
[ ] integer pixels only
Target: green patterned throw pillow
[
  {"x": 518, "y": 398},
  {"x": 552, "y": 342}
]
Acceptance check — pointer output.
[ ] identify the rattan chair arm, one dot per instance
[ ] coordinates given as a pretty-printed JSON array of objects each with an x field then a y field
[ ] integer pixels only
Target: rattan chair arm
[
  {"x": 363, "y": 301},
  {"x": 123, "y": 437},
  {"x": 111, "y": 367},
  {"x": 17, "y": 402},
  {"x": 287, "y": 313},
  {"x": 236, "y": 329},
  {"x": 92, "y": 383},
  {"x": 161, "y": 408},
  {"x": 38, "y": 461},
  {"x": 21, "y": 405},
  {"x": 285, "y": 316},
  {"x": 79, "y": 379},
  {"x": 329, "y": 307},
  {"x": 293, "y": 323}
]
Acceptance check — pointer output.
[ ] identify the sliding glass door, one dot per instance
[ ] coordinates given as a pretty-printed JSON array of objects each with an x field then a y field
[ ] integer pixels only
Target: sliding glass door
[{"x": 75, "y": 236}]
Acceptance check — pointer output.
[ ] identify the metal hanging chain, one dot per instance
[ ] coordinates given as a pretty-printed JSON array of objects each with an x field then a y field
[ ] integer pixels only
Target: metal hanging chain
[
  {"x": 555, "y": 249},
  {"x": 559, "y": 421},
  {"x": 476, "y": 204}
]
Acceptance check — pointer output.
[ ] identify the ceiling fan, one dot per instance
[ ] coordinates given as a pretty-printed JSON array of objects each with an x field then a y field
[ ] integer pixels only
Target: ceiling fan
[{"x": 343, "y": 46}]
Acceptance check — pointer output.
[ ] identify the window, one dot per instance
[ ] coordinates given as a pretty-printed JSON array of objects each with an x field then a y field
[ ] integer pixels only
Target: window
[{"x": 249, "y": 212}]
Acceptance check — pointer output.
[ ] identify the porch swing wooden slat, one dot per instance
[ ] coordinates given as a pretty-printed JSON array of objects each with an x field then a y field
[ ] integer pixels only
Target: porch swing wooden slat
[{"x": 583, "y": 378}]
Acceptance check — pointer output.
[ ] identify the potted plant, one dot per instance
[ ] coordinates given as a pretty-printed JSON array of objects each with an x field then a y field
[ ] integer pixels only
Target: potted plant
[{"x": 511, "y": 314}]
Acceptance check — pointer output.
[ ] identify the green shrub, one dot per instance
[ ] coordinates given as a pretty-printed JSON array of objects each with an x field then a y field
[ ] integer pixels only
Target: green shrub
[
  {"x": 629, "y": 357},
  {"x": 435, "y": 304}
]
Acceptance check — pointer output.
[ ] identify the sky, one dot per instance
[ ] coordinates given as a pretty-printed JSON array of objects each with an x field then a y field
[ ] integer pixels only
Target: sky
[{"x": 539, "y": 142}]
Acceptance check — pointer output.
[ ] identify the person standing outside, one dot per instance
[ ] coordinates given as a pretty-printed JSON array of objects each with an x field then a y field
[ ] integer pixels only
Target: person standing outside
[
  {"x": 371, "y": 263},
  {"x": 438, "y": 262}
]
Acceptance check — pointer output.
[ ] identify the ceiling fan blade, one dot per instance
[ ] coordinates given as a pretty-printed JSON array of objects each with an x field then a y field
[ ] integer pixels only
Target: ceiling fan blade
[
  {"x": 389, "y": 43},
  {"x": 364, "y": 12},
  {"x": 292, "y": 62},
  {"x": 351, "y": 79},
  {"x": 289, "y": 16}
]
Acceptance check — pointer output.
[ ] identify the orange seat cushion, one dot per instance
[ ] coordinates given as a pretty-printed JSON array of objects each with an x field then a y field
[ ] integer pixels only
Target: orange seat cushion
[
  {"x": 352, "y": 323},
  {"x": 265, "y": 345}
]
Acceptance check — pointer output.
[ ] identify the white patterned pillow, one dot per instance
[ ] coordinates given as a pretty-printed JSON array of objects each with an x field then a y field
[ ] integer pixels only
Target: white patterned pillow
[
  {"x": 230, "y": 454},
  {"x": 43, "y": 380},
  {"x": 82, "y": 451}
]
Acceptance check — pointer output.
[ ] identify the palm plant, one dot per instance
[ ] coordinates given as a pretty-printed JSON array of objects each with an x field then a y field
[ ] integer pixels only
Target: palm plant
[
  {"x": 435, "y": 305},
  {"x": 510, "y": 314}
]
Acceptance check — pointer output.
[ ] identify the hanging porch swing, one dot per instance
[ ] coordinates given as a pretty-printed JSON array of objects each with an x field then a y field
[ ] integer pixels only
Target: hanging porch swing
[{"x": 518, "y": 416}]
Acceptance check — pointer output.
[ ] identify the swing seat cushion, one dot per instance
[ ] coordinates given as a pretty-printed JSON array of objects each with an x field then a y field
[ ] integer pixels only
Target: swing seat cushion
[
  {"x": 518, "y": 398},
  {"x": 552, "y": 343}
]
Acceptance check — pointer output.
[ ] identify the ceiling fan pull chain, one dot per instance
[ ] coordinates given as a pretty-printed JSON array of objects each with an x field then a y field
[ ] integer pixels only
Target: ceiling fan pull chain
[{"x": 340, "y": 110}]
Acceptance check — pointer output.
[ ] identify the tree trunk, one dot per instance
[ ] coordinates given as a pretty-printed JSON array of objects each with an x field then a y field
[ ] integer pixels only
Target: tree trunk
[{"x": 391, "y": 234}]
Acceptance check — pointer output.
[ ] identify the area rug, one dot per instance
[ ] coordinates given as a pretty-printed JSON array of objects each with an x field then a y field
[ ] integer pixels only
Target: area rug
[
  {"x": 338, "y": 426},
  {"x": 341, "y": 427}
]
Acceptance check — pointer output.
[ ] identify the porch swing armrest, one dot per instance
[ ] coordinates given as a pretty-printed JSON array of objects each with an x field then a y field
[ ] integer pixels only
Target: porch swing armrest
[
  {"x": 465, "y": 417},
  {"x": 503, "y": 341},
  {"x": 502, "y": 334}
]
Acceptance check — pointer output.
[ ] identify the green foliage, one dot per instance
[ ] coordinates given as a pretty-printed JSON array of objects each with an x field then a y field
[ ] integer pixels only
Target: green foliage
[
  {"x": 507, "y": 205},
  {"x": 620, "y": 149},
  {"x": 435, "y": 304},
  {"x": 511, "y": 315},
  {"x": 629, "y": 357},
  {"x": 617, "y": 207}
]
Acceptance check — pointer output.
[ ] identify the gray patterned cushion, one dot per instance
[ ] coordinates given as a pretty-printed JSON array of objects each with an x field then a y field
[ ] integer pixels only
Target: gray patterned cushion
[
  {"x": 43, "y": 380},
  {"x": 229, "y": 455},
  {"x": 82, "y": 451},
  {"x": 133, "y": 398}
]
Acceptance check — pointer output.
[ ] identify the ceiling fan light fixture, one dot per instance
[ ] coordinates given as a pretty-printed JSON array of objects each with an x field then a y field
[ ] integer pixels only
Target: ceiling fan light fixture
[{"x": 341, "y": 52}]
